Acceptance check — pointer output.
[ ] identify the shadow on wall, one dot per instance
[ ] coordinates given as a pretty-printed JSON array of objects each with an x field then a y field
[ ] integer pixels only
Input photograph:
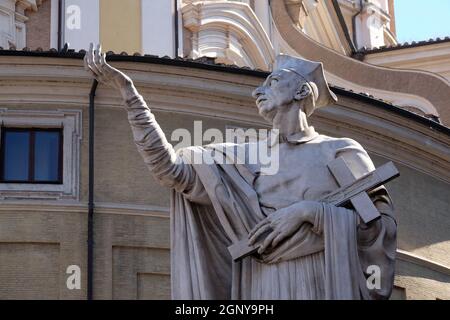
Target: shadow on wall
[{"x": 421, "y": 205}]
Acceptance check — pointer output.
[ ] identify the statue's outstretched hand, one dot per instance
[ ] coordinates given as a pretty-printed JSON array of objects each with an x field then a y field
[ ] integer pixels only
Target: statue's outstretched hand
[
  {"x": 283, "y": 223},
  {"x": 95, "y": 63}
]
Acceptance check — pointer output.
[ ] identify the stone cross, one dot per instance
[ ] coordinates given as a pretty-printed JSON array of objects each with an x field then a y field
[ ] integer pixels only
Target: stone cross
[{"x": 362, "y": 203}]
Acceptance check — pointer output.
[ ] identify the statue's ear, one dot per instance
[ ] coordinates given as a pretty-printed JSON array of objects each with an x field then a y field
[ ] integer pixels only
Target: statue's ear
[
  {"x": 303, "y": 92},
  {"x": 308, "y": 93}
]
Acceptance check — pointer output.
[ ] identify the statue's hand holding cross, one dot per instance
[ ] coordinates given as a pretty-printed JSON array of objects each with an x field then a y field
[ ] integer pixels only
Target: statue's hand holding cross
[{"x": 283, "y": 223}]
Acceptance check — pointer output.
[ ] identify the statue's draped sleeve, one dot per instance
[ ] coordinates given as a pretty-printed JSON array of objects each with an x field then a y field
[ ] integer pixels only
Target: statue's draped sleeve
[
  {"x": 200, "y": 264},
  {"x": 168, "y": 168}
]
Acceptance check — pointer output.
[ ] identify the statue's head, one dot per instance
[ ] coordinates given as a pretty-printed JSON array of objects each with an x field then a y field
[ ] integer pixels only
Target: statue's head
[{"x": 293, "y": 81}]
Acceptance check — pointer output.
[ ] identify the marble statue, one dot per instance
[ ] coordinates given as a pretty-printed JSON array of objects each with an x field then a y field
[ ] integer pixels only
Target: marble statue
[{"x": 310, "y": 249}]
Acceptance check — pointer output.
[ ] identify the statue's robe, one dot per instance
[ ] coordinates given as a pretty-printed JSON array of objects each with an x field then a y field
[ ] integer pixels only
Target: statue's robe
[
  {"x": 214, "y": 205},
  {"x": 320, "y": 261}
]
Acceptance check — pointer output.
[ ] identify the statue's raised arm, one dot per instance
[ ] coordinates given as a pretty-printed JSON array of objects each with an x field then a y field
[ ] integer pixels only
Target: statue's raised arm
[{"x": 158, "y": 153}]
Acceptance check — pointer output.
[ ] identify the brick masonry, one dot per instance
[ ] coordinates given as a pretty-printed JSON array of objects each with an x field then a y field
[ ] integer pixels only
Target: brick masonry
[{"x": 39, "y": 26}]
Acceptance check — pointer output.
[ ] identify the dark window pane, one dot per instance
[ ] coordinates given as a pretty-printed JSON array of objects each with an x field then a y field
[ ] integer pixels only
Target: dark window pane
[
  {"x": 46, "y": 156},
  {"x": 16, "y": 157}
]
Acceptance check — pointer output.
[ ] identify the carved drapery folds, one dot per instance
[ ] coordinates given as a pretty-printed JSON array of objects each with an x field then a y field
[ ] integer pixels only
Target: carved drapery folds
[{"x": 228, "y": 31}]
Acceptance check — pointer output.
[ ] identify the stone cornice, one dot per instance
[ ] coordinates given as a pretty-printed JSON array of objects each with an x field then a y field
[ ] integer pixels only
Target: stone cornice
[
  {"x": 70, "y": 207},
  {"x": 423, "y": 262},
  {"x": 383, "y": 129}
]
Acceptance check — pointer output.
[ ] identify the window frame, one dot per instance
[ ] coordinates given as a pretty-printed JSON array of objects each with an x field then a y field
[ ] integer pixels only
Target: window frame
[{"x": 31, "y": 160}]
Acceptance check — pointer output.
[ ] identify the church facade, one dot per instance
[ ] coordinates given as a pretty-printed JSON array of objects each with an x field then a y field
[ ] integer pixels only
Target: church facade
[{"x": 197, "y": 61}]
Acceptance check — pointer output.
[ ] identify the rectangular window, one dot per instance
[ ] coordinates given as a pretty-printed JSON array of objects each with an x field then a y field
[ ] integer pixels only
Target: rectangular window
[{"x": 31, "y": 155}]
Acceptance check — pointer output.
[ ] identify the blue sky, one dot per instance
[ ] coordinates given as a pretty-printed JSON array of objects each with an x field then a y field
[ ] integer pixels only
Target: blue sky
[{"x": 422, "y": 19}]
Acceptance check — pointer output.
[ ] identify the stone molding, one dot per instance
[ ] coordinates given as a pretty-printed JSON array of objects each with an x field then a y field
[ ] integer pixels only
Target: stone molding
[
  {"x": 69, "y": 207},
  {"x": 229, "y": 32},
  {"x": 63, "y": 82},
  {"x": 163, "y": 213}
]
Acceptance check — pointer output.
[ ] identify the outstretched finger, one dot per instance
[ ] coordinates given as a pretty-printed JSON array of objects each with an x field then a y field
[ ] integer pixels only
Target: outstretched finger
[
  {"x": 91, "y": 60},
  {"x": 97, "y": 58},
  {"x": 103, "y": 60},
  {"x": 86, "y": 66},
  {"x": 89, "y": 54},
  {"x": 103, "y": 65},
  {"x": 88, "y": 58},
  {"x": 268, "y": 241},
  {"x": 258, "y": 233}
]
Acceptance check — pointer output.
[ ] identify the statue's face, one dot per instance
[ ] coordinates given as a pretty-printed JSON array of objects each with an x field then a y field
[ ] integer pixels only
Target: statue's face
[{"x": 279, "y": 89}]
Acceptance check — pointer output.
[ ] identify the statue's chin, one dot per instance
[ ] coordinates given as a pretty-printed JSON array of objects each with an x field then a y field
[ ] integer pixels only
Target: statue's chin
[{"x": 267, "y": 114}]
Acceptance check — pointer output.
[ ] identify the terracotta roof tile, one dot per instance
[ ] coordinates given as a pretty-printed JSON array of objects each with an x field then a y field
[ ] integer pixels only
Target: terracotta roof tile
[{"x": 405, "y": 45}]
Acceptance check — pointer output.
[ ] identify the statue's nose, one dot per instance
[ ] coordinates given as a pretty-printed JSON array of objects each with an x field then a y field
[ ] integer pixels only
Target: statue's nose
[{"x": 257, "y": 92}]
